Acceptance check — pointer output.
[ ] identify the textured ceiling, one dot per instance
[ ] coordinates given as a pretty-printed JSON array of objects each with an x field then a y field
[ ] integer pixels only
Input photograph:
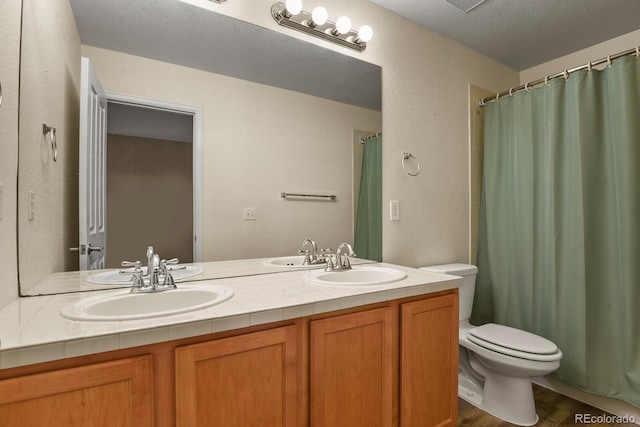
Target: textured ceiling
[
  {"x": 179, "y": 33},
  {"x": 524, "y": 33}
]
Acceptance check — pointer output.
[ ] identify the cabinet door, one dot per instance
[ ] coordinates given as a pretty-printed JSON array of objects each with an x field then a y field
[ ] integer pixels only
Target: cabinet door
[
  {"x": 351, "y": 370},
  {"x": 117, "y": 393},
  {"x": 242, "y": 381},
  {"x": 429, "y": 362}
]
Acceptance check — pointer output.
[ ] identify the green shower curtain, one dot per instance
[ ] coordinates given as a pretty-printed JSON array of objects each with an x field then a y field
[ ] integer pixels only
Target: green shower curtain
[
  {"x": 368, "y": 235},
  {"x": 559, "y": 239}
]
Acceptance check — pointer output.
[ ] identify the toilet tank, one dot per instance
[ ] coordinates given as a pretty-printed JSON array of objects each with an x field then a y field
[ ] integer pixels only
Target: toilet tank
[{"x": 468, "y": 273}]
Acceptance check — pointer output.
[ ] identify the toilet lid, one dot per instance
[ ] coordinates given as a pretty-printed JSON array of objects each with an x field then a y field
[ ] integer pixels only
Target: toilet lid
[{"x": 514, "y": 339}]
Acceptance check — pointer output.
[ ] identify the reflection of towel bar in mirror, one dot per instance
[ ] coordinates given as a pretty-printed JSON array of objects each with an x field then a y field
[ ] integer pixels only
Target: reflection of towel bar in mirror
[
  {"x": 54, "y": 144},
  {"x": 320, "y": 196}
]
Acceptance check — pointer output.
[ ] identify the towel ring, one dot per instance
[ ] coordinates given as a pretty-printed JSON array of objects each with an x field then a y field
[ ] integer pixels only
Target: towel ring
[
  {"x": 406, "y": 156},
  {"x": 54, "y": 144}
]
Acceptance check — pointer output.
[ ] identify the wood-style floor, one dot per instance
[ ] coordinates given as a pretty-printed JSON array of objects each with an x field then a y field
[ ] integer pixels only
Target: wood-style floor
[{"x": 553, "y": 409}]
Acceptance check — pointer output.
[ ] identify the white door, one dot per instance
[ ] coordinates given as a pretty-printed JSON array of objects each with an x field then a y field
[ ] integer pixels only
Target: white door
[{"x": 92, "y": 172}]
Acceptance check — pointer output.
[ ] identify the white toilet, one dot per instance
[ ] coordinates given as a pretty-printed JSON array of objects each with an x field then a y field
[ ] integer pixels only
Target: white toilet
[{"x": 497, "y": 362}]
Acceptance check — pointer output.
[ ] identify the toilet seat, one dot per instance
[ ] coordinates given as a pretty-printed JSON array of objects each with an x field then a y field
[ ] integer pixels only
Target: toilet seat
[{"x": 514, "y": 342}]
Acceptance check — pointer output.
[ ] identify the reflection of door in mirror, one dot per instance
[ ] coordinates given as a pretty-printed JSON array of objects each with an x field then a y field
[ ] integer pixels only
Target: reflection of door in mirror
[
  {"x": 149, "y": 183},
  {"x": 92, "y": 247}
]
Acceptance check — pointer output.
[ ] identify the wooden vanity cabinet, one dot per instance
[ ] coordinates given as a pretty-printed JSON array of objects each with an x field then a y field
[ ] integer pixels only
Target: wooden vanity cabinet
[
  {"x": 355, "y": 357},
  {"x": 116, "y": 393},
  {"x": 390, "y": 364},
  {"x": 429, "y": 362},
  {"x": 246, "y": 380},
  {"x": 351, "y": 374}
]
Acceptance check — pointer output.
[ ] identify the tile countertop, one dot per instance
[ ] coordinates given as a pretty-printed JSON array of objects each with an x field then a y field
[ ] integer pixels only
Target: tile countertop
[{"x": 33, "y": 331}]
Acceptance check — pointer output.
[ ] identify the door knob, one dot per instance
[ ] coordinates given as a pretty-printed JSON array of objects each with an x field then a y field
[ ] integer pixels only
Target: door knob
[
  {"x": 84, "y": 249},
  {"x": 94, "y": 248}
]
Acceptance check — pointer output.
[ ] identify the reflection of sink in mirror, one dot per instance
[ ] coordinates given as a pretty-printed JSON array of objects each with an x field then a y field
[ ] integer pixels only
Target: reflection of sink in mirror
[
  {"x": 114, "y": 277},
  {"x": 123, "y": 305},
  {"x": 290, "y": 262},
  {"x": 357, "y": 276}
]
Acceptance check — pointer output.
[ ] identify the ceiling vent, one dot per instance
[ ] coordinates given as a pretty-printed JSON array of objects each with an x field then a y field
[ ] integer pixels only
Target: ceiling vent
[{"x": 466, "y": 5}]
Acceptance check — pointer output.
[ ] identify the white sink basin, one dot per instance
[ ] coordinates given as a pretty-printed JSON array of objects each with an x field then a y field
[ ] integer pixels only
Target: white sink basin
[
  {"x": 122, "y": 305},
  {"x": 114, "y": 277},
  {"x": 290, "y": 262},
  {"x": 357, "y": 276}
]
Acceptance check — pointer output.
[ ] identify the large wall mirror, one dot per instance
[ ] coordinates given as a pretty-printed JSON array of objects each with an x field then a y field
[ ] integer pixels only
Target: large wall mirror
[{"x": 209, "y": 120}]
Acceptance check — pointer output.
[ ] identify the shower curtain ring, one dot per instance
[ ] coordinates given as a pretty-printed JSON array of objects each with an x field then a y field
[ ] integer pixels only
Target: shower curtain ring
[
  {"x": 589, "y": 67},
  {"x": 511, "y": 92},
  {"x": 637, "y": 52},
  {"x": 609, "y": 61},
  {"x": 566, "y": 75},
  {"x": 526, "y": 87},
  {"x": 546, "y": 80},
  {"x": 497, "y": 96}
]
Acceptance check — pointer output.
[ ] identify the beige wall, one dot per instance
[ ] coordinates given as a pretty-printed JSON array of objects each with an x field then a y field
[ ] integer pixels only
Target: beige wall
[
  {"x": 49, "y": 94},
  {"x": 257, "y": 144},
  {"x": 149, "y": 199},
  {"x": 581, "y": 57},
  {"x": 9, "y": 74},
  {"x": 425, "y": 111}
]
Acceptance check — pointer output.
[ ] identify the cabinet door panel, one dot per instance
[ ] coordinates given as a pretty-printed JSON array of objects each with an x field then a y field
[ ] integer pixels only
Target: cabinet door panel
[
  {"x": 429, "y": 362},
  {"x": 117, "y": 393},
  {"x": 248, "y": 380},
  {"x": 351, "y": 370}
]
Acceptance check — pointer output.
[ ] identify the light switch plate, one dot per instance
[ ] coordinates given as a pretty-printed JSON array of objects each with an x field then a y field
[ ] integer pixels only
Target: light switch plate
[
  {"x": 249, "y": 214},
  {"x": 394, "y": 210},
  {"x": 31, "y": 208}
]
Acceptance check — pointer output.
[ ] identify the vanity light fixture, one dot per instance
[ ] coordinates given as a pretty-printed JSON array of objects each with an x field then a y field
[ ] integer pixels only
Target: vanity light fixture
[{"x": 291, "y": 15}]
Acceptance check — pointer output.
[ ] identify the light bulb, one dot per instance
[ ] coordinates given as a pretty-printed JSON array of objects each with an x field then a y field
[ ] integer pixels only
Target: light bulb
[
  {"x": 365, "y": 33},
  {"x": 343, "y": 25},
  {"x": 319, "y": 15},
  {"x": 294, "y": 7}
]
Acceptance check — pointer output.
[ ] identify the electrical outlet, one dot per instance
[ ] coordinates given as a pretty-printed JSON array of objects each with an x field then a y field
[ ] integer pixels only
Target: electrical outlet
[
  {"x": 249, "y": 214},
  {"x": 31, "y": 209},
  {"x": 394, "y": 210}
]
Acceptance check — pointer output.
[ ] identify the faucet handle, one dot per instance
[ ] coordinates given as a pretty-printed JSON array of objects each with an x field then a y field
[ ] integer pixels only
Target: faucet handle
[
  {"x": 167, "y": 282},
  {"x": 137, "y": 265},
  {"x": 307, "y": 257},
  {"x": 329, "y": 263},
  {"x": 131, "y": 264}
]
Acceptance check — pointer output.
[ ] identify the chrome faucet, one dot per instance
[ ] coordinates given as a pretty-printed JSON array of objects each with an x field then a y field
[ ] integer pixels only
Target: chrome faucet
[
  {"x": 343, "y": 252},
  {"x": 312, "y": 257},
  {"x": 156, "y": 268}
]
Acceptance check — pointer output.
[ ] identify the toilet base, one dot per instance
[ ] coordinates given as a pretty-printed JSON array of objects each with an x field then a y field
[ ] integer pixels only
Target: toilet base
[{"x": 507, "y": 398}]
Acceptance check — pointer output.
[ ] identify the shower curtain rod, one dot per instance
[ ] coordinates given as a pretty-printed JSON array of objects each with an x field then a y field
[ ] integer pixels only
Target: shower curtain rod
[
  {"x": 527, "y": 86},
  {"x": 373, "y": 135}
]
